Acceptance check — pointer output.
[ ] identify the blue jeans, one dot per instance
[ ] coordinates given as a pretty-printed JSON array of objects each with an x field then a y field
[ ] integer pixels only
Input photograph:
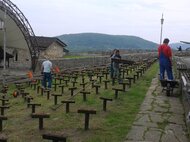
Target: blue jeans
[
  {"x": 47, "y": 78},
  {"x": 165, "y": 65},
  {"x": 168, "y": 69},
  {"x": 116, "y": 73},
  {"x": 111, "y": 71}
]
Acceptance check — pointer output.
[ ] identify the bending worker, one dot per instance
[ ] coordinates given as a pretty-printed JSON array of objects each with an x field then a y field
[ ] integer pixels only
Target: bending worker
[{"x": 165, "y": 60}]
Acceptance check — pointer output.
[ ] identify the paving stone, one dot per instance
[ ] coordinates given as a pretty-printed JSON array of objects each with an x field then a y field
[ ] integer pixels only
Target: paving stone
[
  {"x": 174, "y": 101},
  {"x": 149, "y": 95},
  {"x": 144, "y": 111},
  {"x": 156, "y": 117},
  {"x": 137, "y": 141},
  {"x": 166, "y": 115},
  {"x": 179, "y": 131},
  {"x": 162, "y": 102},
  {"x": 136, "y": 133},
  {"x": 162, "y": 99},
  {"x": 148, "y": 124},
  {"x": 176, "y": 119},
  {"x": 159, "y": 109},
  {"x": 177, "y": 109},
  {"x": 169, "y": 136},
  {"x": 146, "y": 107},
  {"x": 148, "y": 101},
  {"x": 153, "y": 135},
  {"x": 139, "y": 115},
  {"x": 144, "y": 118}
]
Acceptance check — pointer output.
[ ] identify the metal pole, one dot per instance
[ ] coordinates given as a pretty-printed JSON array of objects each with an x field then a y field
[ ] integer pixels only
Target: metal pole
[
  {"x": 4, "y": 47},
  {"x": 162, "y": 22}
]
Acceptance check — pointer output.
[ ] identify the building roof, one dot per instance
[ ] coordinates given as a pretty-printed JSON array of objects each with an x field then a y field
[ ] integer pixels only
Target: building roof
[
  {"x": 45, "y": 42},
  {"x": 2, "y": 54}
]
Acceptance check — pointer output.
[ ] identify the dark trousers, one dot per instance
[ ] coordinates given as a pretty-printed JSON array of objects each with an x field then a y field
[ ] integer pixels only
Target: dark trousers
[
  {"x": 47, "y": 78},
  {"x": 168, "y": 69}
]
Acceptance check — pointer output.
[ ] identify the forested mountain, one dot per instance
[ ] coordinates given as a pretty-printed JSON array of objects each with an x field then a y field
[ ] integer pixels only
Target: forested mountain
[{"x": 103, "y": 42}]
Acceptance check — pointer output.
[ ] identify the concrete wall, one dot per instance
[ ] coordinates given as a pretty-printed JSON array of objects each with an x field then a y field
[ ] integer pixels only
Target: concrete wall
[
  {"x": 94, "y": 61},
  {"x": 74, "y": 63}
]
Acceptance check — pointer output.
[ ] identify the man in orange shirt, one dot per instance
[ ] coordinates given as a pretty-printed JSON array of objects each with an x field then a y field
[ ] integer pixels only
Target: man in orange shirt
[{"x": 165, "y": 60}]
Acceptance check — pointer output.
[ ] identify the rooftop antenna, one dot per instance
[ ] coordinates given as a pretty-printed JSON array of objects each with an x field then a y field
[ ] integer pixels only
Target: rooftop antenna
[{"x": 162, "y": 22}]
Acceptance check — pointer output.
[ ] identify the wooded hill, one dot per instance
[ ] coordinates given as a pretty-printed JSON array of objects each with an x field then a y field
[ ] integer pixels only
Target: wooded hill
[{"x": 85, "y": 42}]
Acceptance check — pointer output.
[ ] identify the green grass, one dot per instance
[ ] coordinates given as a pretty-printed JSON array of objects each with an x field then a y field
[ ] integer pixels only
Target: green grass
[
  {"x": 111, "y": 126},
  {"x": 73, "y": 56}
]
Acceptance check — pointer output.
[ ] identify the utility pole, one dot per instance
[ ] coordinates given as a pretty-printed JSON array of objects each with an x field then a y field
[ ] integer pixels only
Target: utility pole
[
  {"x": 162, "y": 22},
  {"x": 4, "y": 45}
]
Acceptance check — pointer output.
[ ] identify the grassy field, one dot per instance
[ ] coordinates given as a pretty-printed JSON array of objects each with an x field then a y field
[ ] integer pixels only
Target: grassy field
[{"x": 112, "y": 125}]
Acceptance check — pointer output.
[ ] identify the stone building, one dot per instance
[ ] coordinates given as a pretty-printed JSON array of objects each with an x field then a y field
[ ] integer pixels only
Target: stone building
[
  {"x": 51, "y": 47},
  {"x": 21, "y": 42}
]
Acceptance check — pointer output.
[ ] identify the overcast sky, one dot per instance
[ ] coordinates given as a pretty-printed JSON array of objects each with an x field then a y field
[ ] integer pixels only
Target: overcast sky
[{"x": 119, "y": 17}]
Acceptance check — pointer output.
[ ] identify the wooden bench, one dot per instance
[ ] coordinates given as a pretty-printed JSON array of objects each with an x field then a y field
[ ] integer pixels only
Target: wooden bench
[
  {"x": 116, "y": 91},
  {"x": 57, "y": 78},
  {"x": 48, "y": 93},
  {"x": 74, "y": 82},
  {"x": 97, "y": 87},
  {"x": 67, "y": 102},
  {"x": 169, "y": 85},
  {"x": 66, "y": 81},
  {"x": 105, "y": 102},
  {"x": 4, "y": 89},
  {"x": 100, "y": 77},
  {"x": 83, "y": 79},
  {"x": 106, "y": 73},
  {"x": 4, "y": 101},
  {"x": 24, "y": 94},
  {"x": 90, "y": 75},
  {"x": 3, "y": 109},
  {"x": 87, "y": 116},
  {"x": 83, "y": 85},
  {"x": 28, "y": 99},
  {"x": 72, "y": 90},
  {"x": 55, "y": 137},
  {"x": 130, "y": 80},
  {"x": 93, "y": 82},
  {"x": 55, "y": 97},
  {"x": 137, "y": 75},
  {"x": 55, "y": 86},
  {"x": 134, "y": 78},
  {"x": 84, "y": 94},
  {"x": 42, "y": 90},
  {"x": 124, "y": 84},
  {"x": 38, "y": 89},
  {"x": 41, "y": 116},
  {"x": 33, "y": 84},
  {"x": 2, "y": 118},
  {"x": 3, "y": 138},
  {"x": 62, "y": 88},
  {"x": 33, "y": 106},
  {"x": 75, "y": 78},
  {"x": 140, "y": 72},
  {"x": 106, "y": 83}
]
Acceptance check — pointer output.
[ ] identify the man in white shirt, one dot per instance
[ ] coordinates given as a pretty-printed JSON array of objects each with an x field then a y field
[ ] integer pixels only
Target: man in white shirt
[{"x": 46, "y": 70}]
